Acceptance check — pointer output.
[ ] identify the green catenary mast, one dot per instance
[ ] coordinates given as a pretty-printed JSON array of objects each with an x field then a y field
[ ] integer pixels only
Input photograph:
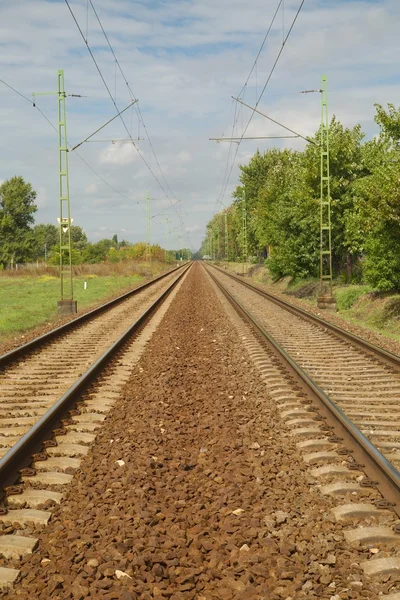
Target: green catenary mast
[
  {"x": 226, "y": 239},
  {"x": 148, "y": 251},
  {"x": 325, "y": 298},
  {"x": 67, "y": 290},
  {"x": 166, "y": 240},
  {"x": 66, "y": 304},
  {"x": 244, "y": 230}
]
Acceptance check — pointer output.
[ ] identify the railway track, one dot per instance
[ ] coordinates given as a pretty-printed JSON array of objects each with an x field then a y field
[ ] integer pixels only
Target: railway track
[
  {"x": 339, "y": 396},
  {"x": 55, "y": 392}
]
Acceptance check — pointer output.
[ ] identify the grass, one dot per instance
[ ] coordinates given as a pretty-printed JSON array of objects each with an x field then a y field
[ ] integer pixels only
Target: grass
[
  {"x": 27, "y": 302},
  {"x": 347, "y": 296}
]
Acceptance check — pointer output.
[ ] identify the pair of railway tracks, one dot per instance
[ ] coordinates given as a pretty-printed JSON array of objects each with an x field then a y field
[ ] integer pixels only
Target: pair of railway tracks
[
  {"x": 339, "y": 396},
  {"x": 55, "y": 391}
]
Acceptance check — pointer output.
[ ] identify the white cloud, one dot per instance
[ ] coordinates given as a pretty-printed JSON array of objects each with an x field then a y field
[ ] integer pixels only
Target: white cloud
[
  {"x": 91, "y": 189},
  {"x": 184, "y": 61},
  {"x": 118, "y": 153},
  {"x": 193, "y": 228},
  {"x": 42, "y": 198}
]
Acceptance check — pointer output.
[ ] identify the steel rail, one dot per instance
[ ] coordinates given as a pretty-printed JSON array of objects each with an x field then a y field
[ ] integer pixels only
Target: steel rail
[
  {"x": 389, "y": 357},
  {"x": 21, "y": 351},
  {"x": 390, "y": 486},
  {"x": 19, "y": 456}
]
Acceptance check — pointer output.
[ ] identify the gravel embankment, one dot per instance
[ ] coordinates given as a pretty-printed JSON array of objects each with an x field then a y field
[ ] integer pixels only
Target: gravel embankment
[
  {"x": 213, "y": 501},
  {"x": 374, "y": 337}
]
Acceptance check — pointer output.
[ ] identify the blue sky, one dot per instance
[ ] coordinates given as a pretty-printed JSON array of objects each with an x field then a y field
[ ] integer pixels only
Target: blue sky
[{"x": 184, "y": 61}]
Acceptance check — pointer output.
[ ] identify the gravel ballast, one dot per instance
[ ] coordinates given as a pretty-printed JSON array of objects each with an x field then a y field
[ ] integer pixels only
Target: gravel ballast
[{"x": 210, "y": 498}]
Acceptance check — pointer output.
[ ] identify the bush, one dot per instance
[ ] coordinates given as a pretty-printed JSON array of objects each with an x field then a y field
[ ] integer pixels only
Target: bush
[
  {"x": 346, "y": 297},
  {"x": 382, "y": 263}
]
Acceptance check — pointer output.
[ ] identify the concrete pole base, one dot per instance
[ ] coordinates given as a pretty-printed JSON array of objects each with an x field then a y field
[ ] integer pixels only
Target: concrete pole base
[
  {"x": 327, "y": 303},
  {"x": 67, "y": 307}
]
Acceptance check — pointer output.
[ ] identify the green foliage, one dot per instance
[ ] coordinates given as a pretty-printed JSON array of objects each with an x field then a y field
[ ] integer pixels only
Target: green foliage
[
  {"x": 382, "y": 262},
  {"x": 45, "y": 237},
  {"x": 96, "y": 252},
  {"x": 76, "y": 256},
  {"x": 282, "y": 190},
  {"x": 78, "y": 238},
  {"x": 346, "y": 297},
  {"x": 20, "y": 242},
  {"x": 389, "y": 121},
  {"x": 17, "y": 207}
]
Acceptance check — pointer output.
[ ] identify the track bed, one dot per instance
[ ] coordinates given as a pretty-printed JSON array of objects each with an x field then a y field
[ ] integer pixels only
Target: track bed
[{"x": 213, "y": 499}]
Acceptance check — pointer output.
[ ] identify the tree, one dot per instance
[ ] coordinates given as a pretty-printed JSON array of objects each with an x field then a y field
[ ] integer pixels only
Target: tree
[
  {"x": 97, "y": 252},
  {"x": 45, "y": 237},
  {"x": 389, "y": 121},
  {"x": 17, "y": 207},
  {"x": 375, "y": 224},
  {"x": 78, "y": 238}
]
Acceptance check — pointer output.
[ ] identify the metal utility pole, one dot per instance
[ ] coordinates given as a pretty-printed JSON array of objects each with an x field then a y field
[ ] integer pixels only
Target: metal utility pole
[
  {"x": 226, "y": 239},
  {"x": 325, "y": 298},
  {"x": 166, "y": 240},
  {"x": 66, "y": 304},
  {"x": 148, "y": 252},
  {"x": 244, "y": 231}
]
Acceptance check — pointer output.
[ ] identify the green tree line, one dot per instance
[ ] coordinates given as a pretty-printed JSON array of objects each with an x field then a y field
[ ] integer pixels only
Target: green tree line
[
  {"x": 282, "y": 203},
  {"x": 21, "y": 241}
]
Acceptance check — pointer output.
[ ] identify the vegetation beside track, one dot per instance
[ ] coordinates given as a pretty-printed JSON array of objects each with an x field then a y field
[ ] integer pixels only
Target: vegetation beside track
[
  {"x": 30, "y": 301},
  {"x": 275, "y": 208}
]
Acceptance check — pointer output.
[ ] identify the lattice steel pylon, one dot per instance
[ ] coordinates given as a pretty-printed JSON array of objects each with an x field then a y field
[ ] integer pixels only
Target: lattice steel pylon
[
  {"x": 67, "y": 304},
  {"x": 148, "y": 235},
  {"x": 226, "y": 238},
  {"x": 325, "y": 292},
  {"x": 166, "y": 240},
  {"x": 244, "y": 230},
  {"x": 67, "y": 289}
]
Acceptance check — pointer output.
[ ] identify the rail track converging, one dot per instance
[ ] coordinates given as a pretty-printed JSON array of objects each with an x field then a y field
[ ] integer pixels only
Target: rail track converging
[
  {"x": 55, "y": 393},
  {"x": 332, "y": 395},
  {"x": 340, "y": 399}
]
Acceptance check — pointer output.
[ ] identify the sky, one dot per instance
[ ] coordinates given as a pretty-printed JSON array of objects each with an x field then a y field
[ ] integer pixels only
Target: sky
[{"x": 184, "y": 60}]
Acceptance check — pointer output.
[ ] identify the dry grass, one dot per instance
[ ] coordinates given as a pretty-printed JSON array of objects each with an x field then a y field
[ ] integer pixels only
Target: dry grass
[{"x": 107, "y": 269}]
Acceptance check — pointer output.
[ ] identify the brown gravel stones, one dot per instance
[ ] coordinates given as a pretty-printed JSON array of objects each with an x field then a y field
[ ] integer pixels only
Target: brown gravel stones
[{"x": 209, "y": 499}]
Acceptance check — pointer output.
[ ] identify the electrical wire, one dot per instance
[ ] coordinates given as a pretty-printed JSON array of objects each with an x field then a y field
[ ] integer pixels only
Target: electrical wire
[
  {"x": 34, "y": 104},
  {"x": 222, "y": 195},
  {"x": 137, "y": 108},
  {"x": 236, "y": 117}
]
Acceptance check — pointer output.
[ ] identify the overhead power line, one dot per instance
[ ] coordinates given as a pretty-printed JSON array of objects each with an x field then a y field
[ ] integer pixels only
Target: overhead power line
[
  {"x": 226, "y": 178},
  {"x": 102, "y": 127},
  {"x": 34, "y": 104},
  {"x": 285, "y": 39},
  {"x": 307, "y": 139},
  {"x": 114, "y": 102}
]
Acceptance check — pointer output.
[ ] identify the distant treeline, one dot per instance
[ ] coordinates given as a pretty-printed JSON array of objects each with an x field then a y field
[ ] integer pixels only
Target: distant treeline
[
  {"x": 282, "y": 191},
  {"x": 21, "y": 241}
]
